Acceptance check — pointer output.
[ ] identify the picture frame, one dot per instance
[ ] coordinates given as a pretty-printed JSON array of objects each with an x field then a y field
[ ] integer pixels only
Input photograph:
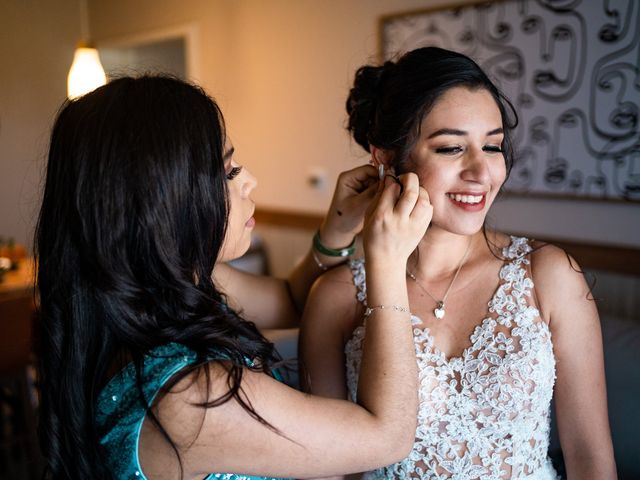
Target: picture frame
[{"x": 571, "y": 70}]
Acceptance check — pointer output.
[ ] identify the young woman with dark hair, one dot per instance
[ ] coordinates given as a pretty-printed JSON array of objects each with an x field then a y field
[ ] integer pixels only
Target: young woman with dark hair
[
  {"x": 148, "y": 364},
  {"x": 497, "y": 319}
]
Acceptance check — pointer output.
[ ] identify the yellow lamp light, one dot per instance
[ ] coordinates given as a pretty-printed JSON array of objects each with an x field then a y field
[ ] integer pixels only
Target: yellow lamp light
[{"x": 86, "y": 73}]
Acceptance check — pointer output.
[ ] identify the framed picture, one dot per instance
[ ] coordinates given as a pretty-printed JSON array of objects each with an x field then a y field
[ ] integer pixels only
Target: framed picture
[{"x": 572, "y": 70}]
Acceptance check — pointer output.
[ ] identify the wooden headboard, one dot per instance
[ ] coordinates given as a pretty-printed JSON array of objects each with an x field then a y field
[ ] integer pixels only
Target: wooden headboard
[{"x": 623, "y": 260}]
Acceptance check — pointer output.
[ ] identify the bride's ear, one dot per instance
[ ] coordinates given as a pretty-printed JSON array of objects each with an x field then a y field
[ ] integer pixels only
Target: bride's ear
[{"x": 381, "y": 156}]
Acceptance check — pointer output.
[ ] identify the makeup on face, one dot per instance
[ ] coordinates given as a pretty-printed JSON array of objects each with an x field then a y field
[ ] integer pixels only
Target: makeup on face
[
  {"x": 233, "y": 173},
  {"x": 241, "y": 218},
  {"x": 489, "y": 147},
  {"x": 468, "y": 201},
  {"x": 459, "y": 158},
  {"x": 226, "y": 157}
]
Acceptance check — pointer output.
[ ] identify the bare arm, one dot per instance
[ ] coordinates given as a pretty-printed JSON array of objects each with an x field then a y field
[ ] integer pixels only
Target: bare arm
[
  {"x": 278, "y": 303},
  {"x": 330, "y": 316},
  {"x": 317, "y": 436},
  {"x": 266, "y": 301},
  {"x": 580, "y": 391}
]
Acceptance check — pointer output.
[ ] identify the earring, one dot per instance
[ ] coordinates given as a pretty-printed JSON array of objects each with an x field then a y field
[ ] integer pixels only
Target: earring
[{"x": 381, "y": 171}]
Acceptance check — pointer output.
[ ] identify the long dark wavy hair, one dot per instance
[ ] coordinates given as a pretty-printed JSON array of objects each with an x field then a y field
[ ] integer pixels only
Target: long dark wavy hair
[
  {"x": 133, "y": 217},
  {"x": 387, "y": 102}
]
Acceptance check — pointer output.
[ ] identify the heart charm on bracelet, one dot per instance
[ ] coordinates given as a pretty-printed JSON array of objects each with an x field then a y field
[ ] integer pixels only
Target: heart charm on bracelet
[{"x": 439, "y": 310}]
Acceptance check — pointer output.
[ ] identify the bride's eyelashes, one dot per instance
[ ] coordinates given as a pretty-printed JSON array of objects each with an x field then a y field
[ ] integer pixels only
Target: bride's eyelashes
[
  {"x": 233, "y": 173},
  {"x": 456, "y": 149},
  {"x": 449, "y": 150},
  {"x": 492, "y": 148}
]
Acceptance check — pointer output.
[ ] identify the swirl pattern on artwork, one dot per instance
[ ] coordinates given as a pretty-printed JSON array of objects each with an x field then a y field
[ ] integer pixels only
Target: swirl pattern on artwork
[{"x": 572, "y": 69}]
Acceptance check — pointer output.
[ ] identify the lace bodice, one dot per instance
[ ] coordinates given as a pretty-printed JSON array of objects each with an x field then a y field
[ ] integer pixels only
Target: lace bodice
[{"x": 483, "y": 415}]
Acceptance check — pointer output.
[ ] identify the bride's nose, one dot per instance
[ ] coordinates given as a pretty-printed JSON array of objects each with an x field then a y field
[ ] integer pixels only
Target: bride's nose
[{"x": 476, "y": 168}]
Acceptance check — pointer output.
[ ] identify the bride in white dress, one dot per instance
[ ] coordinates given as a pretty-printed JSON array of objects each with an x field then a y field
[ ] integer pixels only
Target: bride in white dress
[{"x": 501, "y": 324}]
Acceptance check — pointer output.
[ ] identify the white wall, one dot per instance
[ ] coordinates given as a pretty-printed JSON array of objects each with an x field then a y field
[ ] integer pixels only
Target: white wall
[{"x": 37, "y": 41}]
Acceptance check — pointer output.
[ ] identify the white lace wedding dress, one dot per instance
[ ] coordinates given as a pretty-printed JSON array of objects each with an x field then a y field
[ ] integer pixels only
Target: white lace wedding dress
[{"x": 483, "y": 415}]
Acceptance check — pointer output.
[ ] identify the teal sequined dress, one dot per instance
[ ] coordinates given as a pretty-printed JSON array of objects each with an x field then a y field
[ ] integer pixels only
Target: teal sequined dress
[{"x": 120, "y": 413}]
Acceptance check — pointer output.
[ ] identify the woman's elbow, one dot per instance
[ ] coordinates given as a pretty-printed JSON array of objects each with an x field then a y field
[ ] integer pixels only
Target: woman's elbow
[{"x": 399, "y": 442}]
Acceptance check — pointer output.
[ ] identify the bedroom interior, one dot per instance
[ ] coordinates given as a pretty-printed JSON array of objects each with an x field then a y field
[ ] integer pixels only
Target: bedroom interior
[{"x": 284, "y": 107}]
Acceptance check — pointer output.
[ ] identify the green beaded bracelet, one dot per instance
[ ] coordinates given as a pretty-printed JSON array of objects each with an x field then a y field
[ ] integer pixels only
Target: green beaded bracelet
[{"x": 330, "y": 252}]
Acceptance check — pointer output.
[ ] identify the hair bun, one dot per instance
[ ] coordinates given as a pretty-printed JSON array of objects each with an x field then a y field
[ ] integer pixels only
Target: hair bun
[{"x": 363, "y": 99}]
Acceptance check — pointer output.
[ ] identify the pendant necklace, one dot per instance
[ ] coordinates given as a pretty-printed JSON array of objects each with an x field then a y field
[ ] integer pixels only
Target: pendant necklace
[{"x": 439, "y": 311}]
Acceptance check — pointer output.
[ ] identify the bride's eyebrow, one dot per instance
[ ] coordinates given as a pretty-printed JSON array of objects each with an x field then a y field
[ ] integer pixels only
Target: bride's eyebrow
[
  {"x": 461, "y": 133},
  {"x": 228, "y": 154},
  {"x": 447, "y": 131}
]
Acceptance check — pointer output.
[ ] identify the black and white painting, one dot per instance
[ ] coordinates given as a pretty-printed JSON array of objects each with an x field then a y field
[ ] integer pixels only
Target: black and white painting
[{"x": 571, "y": 69}]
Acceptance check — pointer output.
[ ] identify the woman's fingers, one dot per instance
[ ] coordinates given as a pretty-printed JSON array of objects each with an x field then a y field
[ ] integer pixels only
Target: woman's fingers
[
  {"x": 423, "y": 207},
  {"x": 358, "y": 179},
  {"x": 387, "y": 195},
  {"x": 422, "y": 211},
  {"x": 414, "y": 199},
  {"x": 353, "y": 193},
  {"x": 398, "y": 217},
  {"x": 375, "y": 200},
  {"x": 409, "y": 193},
  {"x": 374, "y": 203}
]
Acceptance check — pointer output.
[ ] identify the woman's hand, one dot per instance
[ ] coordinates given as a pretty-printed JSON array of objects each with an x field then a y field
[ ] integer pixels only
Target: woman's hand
[
  {"x": 396, "y": 219},
  {"x": 353, "y": 194}
]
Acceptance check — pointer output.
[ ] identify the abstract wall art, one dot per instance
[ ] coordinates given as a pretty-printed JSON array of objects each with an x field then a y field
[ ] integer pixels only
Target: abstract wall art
[{"x": 571, "y": 69}]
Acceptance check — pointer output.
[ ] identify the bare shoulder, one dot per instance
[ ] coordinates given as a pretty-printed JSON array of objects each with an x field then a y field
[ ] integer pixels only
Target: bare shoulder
[
  {"x": 337, "y": 275},
  {"x": 333, "y": 301},
  {"x": 559, "y": 280},
  {"x": 202, "y": 385},
  {"x": 336, "y": 284},
  {"x": 552, "y": 265},
  {"x": 181, "y": 418}
]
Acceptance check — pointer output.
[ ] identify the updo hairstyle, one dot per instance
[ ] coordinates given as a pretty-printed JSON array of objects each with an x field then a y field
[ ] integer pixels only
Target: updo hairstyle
[{"x": 387, "y": 103}]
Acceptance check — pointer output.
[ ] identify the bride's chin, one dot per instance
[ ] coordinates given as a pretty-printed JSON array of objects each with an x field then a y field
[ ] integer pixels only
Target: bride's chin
[{"x": 466, "y": 229}]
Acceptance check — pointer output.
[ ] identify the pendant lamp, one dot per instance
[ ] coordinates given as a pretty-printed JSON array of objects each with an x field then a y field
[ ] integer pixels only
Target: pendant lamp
[{"x": 86, "y": 73}]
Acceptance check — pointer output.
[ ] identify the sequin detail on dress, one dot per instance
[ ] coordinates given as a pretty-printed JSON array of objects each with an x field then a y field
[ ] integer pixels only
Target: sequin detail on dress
[
  {"x": 485, "y": 414},
  {"x": 120, "y": 412}
]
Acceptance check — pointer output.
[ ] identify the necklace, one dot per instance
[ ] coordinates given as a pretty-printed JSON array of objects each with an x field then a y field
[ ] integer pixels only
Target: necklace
[{"x": 439, "y": 311}]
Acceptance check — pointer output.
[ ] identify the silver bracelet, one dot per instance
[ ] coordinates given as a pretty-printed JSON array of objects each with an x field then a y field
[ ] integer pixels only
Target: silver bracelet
[{"x": 369, "y": 310}]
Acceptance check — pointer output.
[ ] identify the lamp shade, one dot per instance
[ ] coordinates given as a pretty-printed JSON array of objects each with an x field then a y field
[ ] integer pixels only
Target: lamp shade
[{"x": 86, "y": 73}]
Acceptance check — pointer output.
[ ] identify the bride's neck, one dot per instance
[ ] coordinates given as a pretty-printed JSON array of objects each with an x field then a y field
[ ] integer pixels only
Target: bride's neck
[{"x": 439, "y": 253}]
